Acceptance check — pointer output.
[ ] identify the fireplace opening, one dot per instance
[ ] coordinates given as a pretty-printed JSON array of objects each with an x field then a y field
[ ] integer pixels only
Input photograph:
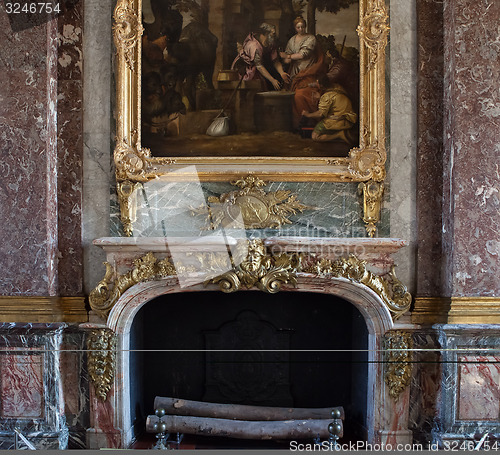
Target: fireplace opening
[{"x": 288, "y": 349}]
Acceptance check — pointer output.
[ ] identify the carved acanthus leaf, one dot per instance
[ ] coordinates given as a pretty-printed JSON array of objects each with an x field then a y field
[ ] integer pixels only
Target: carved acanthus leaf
[
  {"x": 112, "y": 286},
  {"x": 393, "y": 293}
]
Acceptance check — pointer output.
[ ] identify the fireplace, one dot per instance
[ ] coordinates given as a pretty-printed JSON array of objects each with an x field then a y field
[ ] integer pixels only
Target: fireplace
[
  {"x": 289, "y": 350},
  {"x": 322, "y": 336}
]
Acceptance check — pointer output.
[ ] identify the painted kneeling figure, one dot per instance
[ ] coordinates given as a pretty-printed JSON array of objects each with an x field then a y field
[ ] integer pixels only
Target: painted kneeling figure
[{"x": 335, "y": 114}]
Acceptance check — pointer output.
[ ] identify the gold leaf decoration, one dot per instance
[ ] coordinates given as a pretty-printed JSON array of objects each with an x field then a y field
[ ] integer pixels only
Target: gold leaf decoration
[
  {"x": 373, "y": 30},
  {"x": 251, "y": 207},
  {"x": 127, "y": 30},
  {"x": 259, "y": 269},
  {"x": 101, "y": 347},
  {"x": 393, "y": 293},
  {"x": 398, "y": 361},
  {"x": 111, "y": 287}
]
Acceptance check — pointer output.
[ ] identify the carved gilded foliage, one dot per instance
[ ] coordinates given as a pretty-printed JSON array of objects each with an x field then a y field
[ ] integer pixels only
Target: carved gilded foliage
[
  {"x": 398, "y": 345},
  {"x": 260, "y": 269},
  {"x": 393, "y": 293},
  {"x": 101, "y": 355},
  {"x": 112, "y": 286}
]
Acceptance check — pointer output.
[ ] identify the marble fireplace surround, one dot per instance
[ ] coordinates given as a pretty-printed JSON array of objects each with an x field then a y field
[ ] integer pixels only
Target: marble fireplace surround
[{"x": 387, "y": 417}]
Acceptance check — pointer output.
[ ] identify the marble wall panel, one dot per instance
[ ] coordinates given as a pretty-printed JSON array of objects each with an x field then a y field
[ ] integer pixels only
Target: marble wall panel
[
  {"x": 429, "y": 158},
  {"x": 70, "y": 148},
  {"x": 31, "y": 392},
  {"x": 28, "y": 143},
  {"x": 402, "y": 74},
  {"x": 75, "y": 387},
  {"x": 470, "y": 392},
  {"x": 334, "y": 210},
  {"x": 471, "y": 174},
  {"x": 479, "y": 388},
  {"x": 21, "y": 386},
  {"x": 97, "y": 134},
  {"x": 425, "y": 388}
]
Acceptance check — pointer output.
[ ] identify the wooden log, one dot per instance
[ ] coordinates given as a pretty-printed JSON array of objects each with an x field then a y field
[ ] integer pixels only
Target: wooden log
[
  {"x": 177, "y": 406},
  {"x": 243, "y": 429}
]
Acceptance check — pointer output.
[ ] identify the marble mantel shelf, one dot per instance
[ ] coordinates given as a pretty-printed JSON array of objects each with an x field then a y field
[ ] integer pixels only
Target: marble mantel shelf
[{"x": 377, "y": 252}]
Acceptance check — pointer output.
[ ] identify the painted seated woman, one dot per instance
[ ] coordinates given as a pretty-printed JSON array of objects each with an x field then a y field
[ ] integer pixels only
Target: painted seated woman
[
  {"x": 306, "y": 64},
  {"x": 251, "y": 58}
]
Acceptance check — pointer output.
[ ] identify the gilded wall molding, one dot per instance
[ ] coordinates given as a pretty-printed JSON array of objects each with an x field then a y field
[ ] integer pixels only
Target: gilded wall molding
[
  {"x": 260, "y": 269},
  {"x": 251, "y": 207},
  {"x": 43, "y": 309},
  {"x": 112, "y": 286},
  {"x": 431, "y": 310},
  {"x": 392, "y": 292},
  {"x": 474, "y": 310},
  {"x": 101, "y": 355},
  {"x": 398, "y": 345}
]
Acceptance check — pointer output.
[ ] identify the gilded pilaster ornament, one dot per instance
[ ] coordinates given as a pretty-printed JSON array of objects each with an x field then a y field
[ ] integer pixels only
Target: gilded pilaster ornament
[
  {"x": 251, "y": 207},
  {"x": 393, "y": 293},
  {"x": 112, "y": 286},
  {"x": 126, "y": 191},
  {"x": 127, "y": 31},
  {"x": 266, "y": 272},
  {"x": 372, "y": 193},
  {"x": 101, "y": 354},
  {"x": 397, "y": 361}
]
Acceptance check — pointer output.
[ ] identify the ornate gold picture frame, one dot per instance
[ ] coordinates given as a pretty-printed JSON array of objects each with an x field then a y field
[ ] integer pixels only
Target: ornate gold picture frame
[{"x": 365, "y": 163}]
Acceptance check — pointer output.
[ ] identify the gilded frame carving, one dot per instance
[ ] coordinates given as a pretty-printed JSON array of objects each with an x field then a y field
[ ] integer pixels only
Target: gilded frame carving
[{"x": 365, "y": 163}]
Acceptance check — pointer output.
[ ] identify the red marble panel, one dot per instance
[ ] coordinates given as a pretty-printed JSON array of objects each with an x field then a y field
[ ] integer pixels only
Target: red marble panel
[
  {"x": 70, "y": 377},
  {"x": 21, "y": 386},
  {"x": 430, "y": 147},
  {"x": 471, "y": 130},
  {"x": 27, "y": 138},
  {"x": 479, "y": 393},
  {"x": 70, "y": 148}
]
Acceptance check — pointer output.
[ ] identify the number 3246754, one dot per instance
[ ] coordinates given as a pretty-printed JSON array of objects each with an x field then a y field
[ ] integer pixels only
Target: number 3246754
[{"x": 32, "y": 8}]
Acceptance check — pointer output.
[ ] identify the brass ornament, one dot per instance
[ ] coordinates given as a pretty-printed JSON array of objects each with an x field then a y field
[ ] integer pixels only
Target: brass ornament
[
  {"x": 397, "y": 361},
  {"x": 101, "y": 355},
  {"x": 251, "y": 207},
  {"x": 393, "y": 293},
  {"x": 111, "y": 287},
  {"x": 372, "y": 193},
  {"x": 260, "y": 269},
  {"x": 367, "y": 162}
]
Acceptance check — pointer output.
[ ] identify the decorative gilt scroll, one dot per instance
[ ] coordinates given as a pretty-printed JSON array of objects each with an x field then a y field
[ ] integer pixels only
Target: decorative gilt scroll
[
  {"x": 134, "y": 163},
  {"x": 266, "y": 272},
  {"x": 398, "y": 361},
  {"x": 393, "y": 293},
  {"x": 101, "y": 354},
  {"x": 251, "y": 207},
  {"x": 112, "y": 286}
]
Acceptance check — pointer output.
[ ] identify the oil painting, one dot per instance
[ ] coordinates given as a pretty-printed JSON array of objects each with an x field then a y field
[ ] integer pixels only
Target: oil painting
[{"x": 250, "y": 78}]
